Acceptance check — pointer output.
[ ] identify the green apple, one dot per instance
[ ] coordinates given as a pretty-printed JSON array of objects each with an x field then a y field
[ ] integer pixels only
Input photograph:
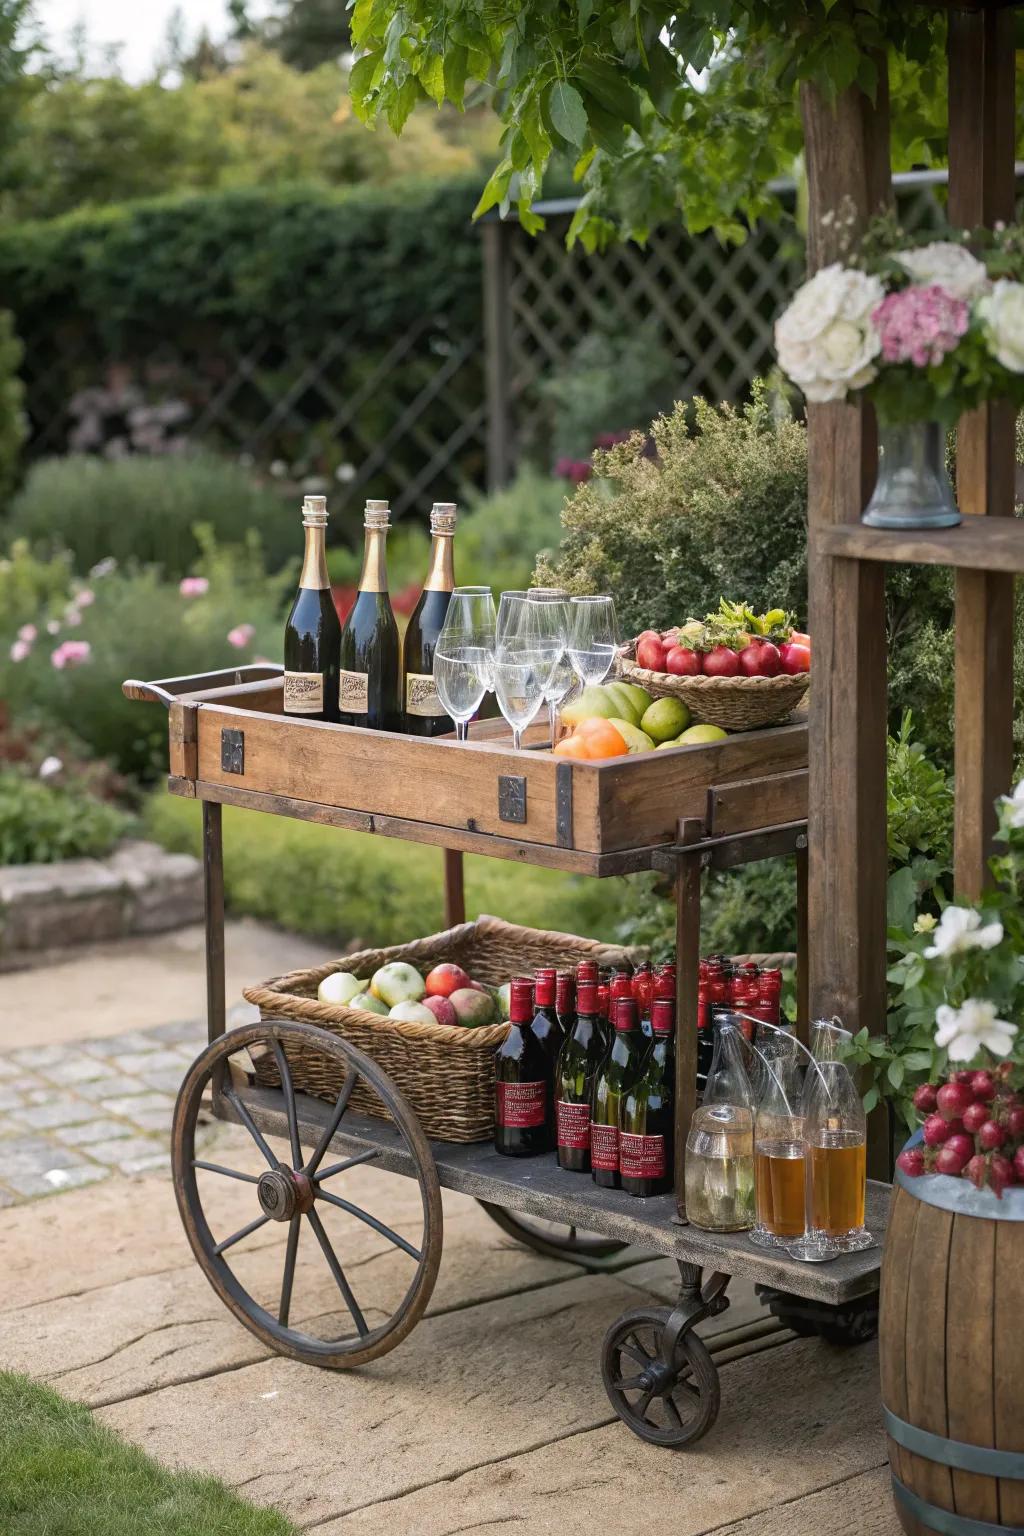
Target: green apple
[
  {"x": 701, "y": 733},
  {"x": 636, "y": 740},
  {"x": 398, "y": 982},
  {"x": 664, "y": 719},
  {"x": 592, "y": 701},
  {"x": 368, "y": 1003},
  {"x": 413, "y": 1013},
  {"x": 339, "y": 987},
  {"x": 505, "y": 999}
]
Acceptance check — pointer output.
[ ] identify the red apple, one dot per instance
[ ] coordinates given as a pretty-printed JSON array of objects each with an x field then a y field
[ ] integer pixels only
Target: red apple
[
  {"x": 721, "y": 662},
  {"x": 650, "y": 653},
  {"x": 795, "y": 658},
  {"x": 669, "y": 637},
  {"x": 649, "y": 634},
  {"x": 682, "y": 662},
  {"x": 442, "y": 1009},
  {"x": 760, "y": 659},
  {"x": 445, "y": 979}
]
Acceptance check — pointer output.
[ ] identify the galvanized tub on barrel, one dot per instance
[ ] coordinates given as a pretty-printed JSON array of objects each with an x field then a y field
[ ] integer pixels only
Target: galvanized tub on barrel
[{"x": 951, "y": 1343}]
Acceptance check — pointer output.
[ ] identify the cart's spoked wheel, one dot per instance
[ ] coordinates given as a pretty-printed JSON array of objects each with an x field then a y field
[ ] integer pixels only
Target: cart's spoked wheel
[
  {"x": 669, "y": 1401},
  {"x": 295, "y": 1284},
  {"x": 554, "y": 1239}
]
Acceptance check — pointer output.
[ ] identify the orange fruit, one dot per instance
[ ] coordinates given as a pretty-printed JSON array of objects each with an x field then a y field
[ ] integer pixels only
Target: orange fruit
[
  {"x": 574, "y": 747},
  {"x": 603, "y": 740}
]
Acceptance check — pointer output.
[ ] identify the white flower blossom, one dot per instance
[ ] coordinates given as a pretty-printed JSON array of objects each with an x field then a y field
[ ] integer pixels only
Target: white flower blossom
[
  {"x": 960, "y": 929},
  {"x": 826, "y": 340},
  {"x": 951, "y": 266},
  {"x": 925, "y": 923},
  {"x": 50, "y": 767},
  {"x": 1013, "y": 807},
  {"x": 962, "y": 1031},
  {"x": 1002, "y": 321}
]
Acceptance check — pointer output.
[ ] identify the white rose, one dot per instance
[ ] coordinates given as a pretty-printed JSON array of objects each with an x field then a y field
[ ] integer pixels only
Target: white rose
[
  {"x": 963, "y": 1030},
  {"x": 960, "y": 929},
  {"x": 826, "y": 341},
  {"x": 1002, "y": 318},
  {"x": 1013, "y": 807},
  {"x": 952, "y": 267}
]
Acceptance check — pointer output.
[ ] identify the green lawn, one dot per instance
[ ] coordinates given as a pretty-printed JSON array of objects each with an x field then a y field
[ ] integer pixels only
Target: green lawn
[
  {"x": 345, "y": 886},
  {"x": 62, "y": 1474}
]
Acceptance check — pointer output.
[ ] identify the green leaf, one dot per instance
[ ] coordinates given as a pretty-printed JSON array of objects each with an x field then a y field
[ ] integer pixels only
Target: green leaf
[
  {"x": 584, "y": 9},
  {"x": 431, "y": 77},
  {"x": 870, "y": 1100},
  {"x": 363, "y": 77},
  {"x": 402, "y": 102},
  {"x": 568, "y": 114},
  {"x": 896, "y": 1071},
  {"x": 496, "y": 188},
  {"x": 609, "y": 87},
  {"x": 456, "y": 68}
]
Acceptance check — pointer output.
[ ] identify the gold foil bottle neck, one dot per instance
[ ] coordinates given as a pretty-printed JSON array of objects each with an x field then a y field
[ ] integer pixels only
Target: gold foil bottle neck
[
  {"x": 443, "y": 517},
  {"x": 377, "y": 515},
  {"x": 314, "y": 512}
]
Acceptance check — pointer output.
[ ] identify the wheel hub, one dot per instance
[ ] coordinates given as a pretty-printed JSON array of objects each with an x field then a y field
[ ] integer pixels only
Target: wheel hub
[
  {"x": 284, "y": 1192},
  {"x": 657, "y": 1377}
]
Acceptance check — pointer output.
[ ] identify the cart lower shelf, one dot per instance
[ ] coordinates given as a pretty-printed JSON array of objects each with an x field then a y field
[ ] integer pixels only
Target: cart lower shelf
[{"x": 538, "y": 1187}]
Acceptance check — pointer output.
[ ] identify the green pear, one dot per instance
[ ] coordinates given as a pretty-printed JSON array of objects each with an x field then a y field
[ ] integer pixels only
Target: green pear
[
  {"x": 664, "y": 719},
  {"x": 701, "y": 733},
  {"x": 592, "y": 701},
  {"x": 642, "y": 700},
  {"x": 636, "y": 740},
  {"x": 625, "y": 707}
]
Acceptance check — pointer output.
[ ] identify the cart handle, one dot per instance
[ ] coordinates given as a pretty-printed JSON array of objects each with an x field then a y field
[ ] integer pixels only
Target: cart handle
[{"x": 164, "y": 690}]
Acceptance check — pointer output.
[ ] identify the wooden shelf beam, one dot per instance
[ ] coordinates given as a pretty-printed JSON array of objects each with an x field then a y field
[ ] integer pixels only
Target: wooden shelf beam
[{"x": 979, "y": 544}]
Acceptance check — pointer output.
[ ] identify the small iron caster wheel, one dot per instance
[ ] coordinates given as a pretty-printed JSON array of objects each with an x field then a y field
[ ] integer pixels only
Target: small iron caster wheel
[
  {"x": 295, "y": 1286},
  {"x": 661, "y": 1382},
  {"x": 553, "y": 1239},
  {"x": 844, "y": 1324}
]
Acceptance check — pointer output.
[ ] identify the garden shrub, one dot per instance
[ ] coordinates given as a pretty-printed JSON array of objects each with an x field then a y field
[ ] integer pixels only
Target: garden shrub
[
  {"x": 41, "y": 823},
  {"x": 30, "y": 585},
  {"x": 12, "y": 416},
  {"x": 611, "y": 382},
  {"x": 147, "y": 509}
]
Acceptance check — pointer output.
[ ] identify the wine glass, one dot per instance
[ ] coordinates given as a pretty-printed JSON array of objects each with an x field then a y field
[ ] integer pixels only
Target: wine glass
[
  {"x": 518, "y": 680},
  {"x": 593, "y": 637},
  {"x": 511, "y": 611},
  {"x": 547, "y": 624},
  {"x": 462, "y": 673}
]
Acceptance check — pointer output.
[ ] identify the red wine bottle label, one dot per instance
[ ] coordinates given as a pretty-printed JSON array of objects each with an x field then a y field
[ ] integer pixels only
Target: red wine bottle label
[
  {"x": 520, "y": 1104},
  {"x": 421, "y": 696},
  {"x": 303, "y": 693},
  {"x": 641, "y": 1157},
  {"x": 604, "y": 1147},
  {"x": 354, "y": 693},
  {"x": 573, "y": 1125}
]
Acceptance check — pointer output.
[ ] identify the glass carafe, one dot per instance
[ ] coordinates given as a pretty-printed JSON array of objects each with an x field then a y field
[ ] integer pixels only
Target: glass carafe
[
  {"x": 719, "y": 1176},
  {"x": 835, "y": 1138},
  {"x": 778, "y": 1143}
]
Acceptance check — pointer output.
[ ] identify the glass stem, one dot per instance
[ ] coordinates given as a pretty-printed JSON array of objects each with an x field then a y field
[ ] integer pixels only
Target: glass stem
[
  {"x": 552, "y": 718},
  {"x": 462, "y": 730},
  {"x": 517, "y": 738}
]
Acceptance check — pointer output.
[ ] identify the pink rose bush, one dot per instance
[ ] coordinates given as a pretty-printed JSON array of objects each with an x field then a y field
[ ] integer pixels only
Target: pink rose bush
[
  {"x": 72, "y": 653},
  {"x": 920, "y": 325}
]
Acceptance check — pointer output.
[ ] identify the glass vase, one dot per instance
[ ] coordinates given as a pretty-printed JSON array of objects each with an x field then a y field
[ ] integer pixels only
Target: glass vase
[{"x": 913, "y": 489}]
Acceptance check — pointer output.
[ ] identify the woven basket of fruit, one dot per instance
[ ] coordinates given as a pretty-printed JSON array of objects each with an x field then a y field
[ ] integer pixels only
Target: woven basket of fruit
[
  {"x": 433, "y": 1019},
  {"x": 734, "y": 669}
]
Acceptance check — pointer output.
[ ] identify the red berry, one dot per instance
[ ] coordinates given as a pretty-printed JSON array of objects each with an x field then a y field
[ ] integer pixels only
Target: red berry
[
  {"x": 976, "y": 1170},
  {"x": 1015, "y": 1122},
  {"x": 984, "y": 1085},
  {"x": 1000, "y": 1173},
  {"x": 952, "y": 1099},
  {"x": 911, "y": 1160},
  {"x": 991, "y": 1136},
  {"x": 924, "y": 1098},
  {"x": 1018, "y": 1164},
  {"x": 974, "y": 1117},
  {"x": 962, "y": 1145},
  {"x": 935, "y": 1131},
  {"x": 951, "y": 1160}
]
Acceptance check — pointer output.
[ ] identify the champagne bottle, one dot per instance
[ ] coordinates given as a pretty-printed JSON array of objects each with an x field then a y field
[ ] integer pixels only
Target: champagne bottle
[
  {"x": 610, "y": 1086},
  {"x": 368, "y": 679},
  {"x": 312, "y": 632},
  {"x": 578, "y": 1064},
  {"x": 646, "y": 1118},
  {"x": 423, "y": 712},
  {"x": 522, "y": 1086}
]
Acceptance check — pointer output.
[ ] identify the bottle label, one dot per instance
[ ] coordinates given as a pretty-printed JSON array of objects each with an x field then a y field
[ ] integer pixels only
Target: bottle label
[
  {"x": 573, "y": 1125},
  {"x": 641, "y": 1157},
  {"x": 353, "y": 693},
  {"x": 303, "y": 693},
  {"x": 421, "y": 696},
  {"x": 520, "y": 1104},
  {"x": 604, "y": 1147}
]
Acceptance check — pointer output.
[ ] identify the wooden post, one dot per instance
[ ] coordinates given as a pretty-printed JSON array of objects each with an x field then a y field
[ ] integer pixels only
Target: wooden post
[
  {"x": 981, "y": 191},
  {"x": 687, "y": 894},
  {"x": 848, "y": 173},
  {"x": 454, "y": 889},
  {"x": 803, "y": 994},
  {"x": 497, "y": 353}
]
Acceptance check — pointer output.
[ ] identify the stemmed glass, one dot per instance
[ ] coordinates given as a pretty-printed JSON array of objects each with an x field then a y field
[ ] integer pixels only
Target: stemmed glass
[
  {"x": 546, "y": 623},
  {"x": 593, "y": 637},
  {"x": 464, "y": 655},
  {"x": 519, "y": 675}
]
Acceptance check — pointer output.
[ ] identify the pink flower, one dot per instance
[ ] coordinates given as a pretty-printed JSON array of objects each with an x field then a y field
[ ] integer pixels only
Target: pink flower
[
  {"x": 28, "y": 633},
  {"x": 71, "y": 654},
  {"x": 920, "y": 325},
  {"x": 19, "y": 650},
  {"x": 193, "y": 586},
  {"x": 576, "y": 470},
  {"x": 85, "y": 598},
  {"x": 72, "y": 617},
  {"x": 240, "y": 636}
]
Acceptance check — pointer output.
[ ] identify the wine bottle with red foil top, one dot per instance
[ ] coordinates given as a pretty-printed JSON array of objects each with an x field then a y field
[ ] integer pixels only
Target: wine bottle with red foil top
[
  {"x": 646, "y": 1118},
  {"x": 578, "y": 1065},
  {"x": 545, "y": 1025},
  {"x": 643, "y": 991},
  {"x": 665, "y": 982},
  {"x": 769, "y": 993},
  {"x": 610, "y": 1087},
  {"x": 565, "y": 1002},
  {"x": 522, "y": 1087}
]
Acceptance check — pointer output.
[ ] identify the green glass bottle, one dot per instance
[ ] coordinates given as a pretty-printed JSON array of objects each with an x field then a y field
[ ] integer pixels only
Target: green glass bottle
[
  {"x": 423, "y": 712},
  {"x": 312, "y": 632},
  {"x": 610, "y": 1087},
  {"x": 578, "y": 1063},
  {"x": 646, "y": 1115},
  {"x": 368, "y": 677}
]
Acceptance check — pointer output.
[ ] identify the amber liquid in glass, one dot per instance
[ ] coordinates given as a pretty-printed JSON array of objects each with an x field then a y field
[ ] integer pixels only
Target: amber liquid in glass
[
  {"x": 779, "y": 1187},
  {"x": 838, "y": 1170}
]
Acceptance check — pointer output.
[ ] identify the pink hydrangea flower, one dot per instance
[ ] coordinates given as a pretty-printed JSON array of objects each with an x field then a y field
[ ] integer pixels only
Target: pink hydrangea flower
[
  {"x": 240, "y": 636},
  {"x": 28, "y": 633},
  {"x": 19, "y": 650},
  {"x": 71, "y": 654},
  {"x": 920, "y": 325},
  {"x": 193, "y": 586}
]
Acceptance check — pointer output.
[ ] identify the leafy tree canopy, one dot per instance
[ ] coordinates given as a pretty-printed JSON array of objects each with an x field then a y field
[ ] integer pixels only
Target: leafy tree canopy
[{"x": 668, "y": 110}]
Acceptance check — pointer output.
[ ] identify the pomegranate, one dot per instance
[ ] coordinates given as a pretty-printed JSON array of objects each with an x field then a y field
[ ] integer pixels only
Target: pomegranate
[
  {"x": 984, "y": 1086},
  {"x": 991, "y": 1136},
  {"x": 951, "y": 1160},
  {"x": 1000, "y": 1173},
  {"x": 721, "y": 662},
  {"x": 760, "y": 659},
  {"x": 962, "y": 1145},
  {"x": 682, "y": 662},
  {"x": 649, "y": 634},
  {"x": 924, "y": 1098},
  {"x": 650, "y": 653},
  {"x": 1018, "y": 1164},
  {"x": 935, "y": 1130},
  {"x": 799, "y": 638},
  {"x": 911, "y": 1160},
  {"x": 1015, "y": 1122},
  {"x": 795, "y": 658},
  {"x": 963, "y": 1077},
  {"x": 974, "y": 1117},
  {"x": 952, "y": 1099},
  {"x": 976, "y": 1170}
]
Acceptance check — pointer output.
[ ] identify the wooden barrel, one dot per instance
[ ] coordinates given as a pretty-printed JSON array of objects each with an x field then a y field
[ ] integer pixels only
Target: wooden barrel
[{"x": 951, "y": 1344}]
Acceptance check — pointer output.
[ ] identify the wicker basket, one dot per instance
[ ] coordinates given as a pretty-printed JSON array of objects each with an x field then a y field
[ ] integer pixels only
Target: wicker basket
[
  {"x": 445, "y": 1072},
  {"x": 734, "y": 703}
]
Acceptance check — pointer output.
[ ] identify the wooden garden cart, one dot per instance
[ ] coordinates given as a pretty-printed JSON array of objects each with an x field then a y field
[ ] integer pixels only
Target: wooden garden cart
[{"x": 679, "y": 812}]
